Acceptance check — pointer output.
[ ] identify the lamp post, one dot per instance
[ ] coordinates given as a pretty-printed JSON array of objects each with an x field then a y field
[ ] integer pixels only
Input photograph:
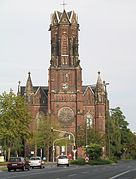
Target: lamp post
[
  {"x": 70, "y": 133},
  {"x": 88, "y": 124},
  {"x": 107, "y": 117}
]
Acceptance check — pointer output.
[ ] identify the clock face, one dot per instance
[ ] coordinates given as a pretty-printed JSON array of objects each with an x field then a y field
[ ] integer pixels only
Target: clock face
[
  {"x": 66, "y": 115},
  {"x": 65, "y": 86}
]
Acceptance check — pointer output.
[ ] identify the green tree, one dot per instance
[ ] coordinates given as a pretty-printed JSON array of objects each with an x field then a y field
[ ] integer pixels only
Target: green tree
[
  {"x": 81, "y": 136},
  {"x": 94, "y": 151},
  {"x": 95, "y": 137},
  {"x": 87, "y": 136},
  {"x": 14, "y": 121},
  {"x": 122, "y": 140},
  {"x": 44, "y": 135}
]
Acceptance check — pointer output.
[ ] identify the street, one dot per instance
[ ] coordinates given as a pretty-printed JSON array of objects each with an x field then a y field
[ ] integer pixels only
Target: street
[{"x": 121, "y": 170}]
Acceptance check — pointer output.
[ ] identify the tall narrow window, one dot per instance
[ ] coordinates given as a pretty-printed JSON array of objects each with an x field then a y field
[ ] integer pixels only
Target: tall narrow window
[{"x": 64, "y": 45}]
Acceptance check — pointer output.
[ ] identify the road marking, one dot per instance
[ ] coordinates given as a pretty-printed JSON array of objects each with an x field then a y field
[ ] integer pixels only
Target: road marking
[{"x": 116, "y": 176}]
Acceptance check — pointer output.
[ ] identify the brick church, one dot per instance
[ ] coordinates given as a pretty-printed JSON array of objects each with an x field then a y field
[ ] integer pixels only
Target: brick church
[{"x": 65, "y": 98}]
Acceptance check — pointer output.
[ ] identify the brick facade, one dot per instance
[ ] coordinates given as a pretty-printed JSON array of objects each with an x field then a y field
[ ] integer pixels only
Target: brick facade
[{"x": 65, "y": 98}]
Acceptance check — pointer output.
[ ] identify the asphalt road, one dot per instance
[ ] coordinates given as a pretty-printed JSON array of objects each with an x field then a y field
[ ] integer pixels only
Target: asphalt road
[{"x": 121, "y": 170}]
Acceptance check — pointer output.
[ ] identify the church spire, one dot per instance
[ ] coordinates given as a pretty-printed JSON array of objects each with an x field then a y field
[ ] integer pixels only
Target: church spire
[
  {"x": 99, "y": 80},
  {"x": 99, "y": 90},
  {"x": 29, "y": 85},
  {"x": 99, "y": 84},
  {"x": 19, "y": 88}
]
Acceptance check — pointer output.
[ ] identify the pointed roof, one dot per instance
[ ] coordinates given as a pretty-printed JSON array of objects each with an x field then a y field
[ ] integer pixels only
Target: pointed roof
[
  {"x": 63, "y": 17},
  {"x": 54, "y": 18},
  {"x": 99, "y": 80},
  {"x": 41, "y": 91},
  {"x": 19, "y": 88},
  {"x": 29, "y": 85},
  {"x": 88, "y": 88},
  {"x": 99, "y": 84}
]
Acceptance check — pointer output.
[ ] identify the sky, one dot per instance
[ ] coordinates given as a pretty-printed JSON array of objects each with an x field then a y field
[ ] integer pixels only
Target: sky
[{"x": 107, "y": 43}]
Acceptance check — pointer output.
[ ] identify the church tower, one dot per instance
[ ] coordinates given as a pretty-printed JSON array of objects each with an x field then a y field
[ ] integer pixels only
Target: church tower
[{"x": 65, "y": 96}]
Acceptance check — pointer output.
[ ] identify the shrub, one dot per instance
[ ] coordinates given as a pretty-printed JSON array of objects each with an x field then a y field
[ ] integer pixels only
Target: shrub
[
  {"x": 100, "y": 162},
  {"x": 79, "y": 161},
  {"x": 94, "y": 151}
]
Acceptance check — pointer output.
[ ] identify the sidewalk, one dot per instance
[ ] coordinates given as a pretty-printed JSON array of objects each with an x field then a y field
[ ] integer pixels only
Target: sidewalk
[
  {"x": 50, "y": 164},
  {"x": 3, "y": 168}
]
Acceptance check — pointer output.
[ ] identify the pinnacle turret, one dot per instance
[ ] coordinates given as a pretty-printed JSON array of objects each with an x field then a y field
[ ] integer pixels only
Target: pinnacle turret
[{"x": 29, "y": 85}]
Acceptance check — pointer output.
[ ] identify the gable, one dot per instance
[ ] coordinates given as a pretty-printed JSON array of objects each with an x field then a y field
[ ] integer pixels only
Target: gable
[
  {"x": 40, "y": 97},
  {"x": 88, "y": 96},
  {"x": 73, "y": 19},
  {"x": 55, "y": 19},
  {"x": 64, "y": 18}
]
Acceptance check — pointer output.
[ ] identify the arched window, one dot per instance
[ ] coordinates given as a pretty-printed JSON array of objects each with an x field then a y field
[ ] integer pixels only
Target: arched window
[
  {"x": 89, "y": 120},
  {"x": 39, "y": 118}
]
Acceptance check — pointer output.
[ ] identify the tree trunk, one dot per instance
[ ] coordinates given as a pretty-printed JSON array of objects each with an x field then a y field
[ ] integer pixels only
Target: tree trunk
[
  {"x": 9, "y": 150},
  {"x": 47, "y": 153},
  {"x": 35, "y": 150}
]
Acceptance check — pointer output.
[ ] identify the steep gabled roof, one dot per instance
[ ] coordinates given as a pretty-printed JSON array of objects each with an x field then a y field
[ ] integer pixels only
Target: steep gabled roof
[
  {"x": 35, "y": 89},
  {"x": 41, "y": 90},
  {"x": 60, "y": 16},
  {"x": 89, "y": 87},
  {"x": 92, "y": 87}
]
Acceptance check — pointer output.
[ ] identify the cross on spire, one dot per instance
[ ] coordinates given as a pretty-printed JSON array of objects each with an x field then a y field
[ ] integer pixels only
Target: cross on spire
[{"x": 63, "y": 4}]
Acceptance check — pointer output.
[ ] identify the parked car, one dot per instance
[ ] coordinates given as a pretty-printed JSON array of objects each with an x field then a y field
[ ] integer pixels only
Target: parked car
[
  {"x": 15, "y": 163},
  {"x": 62, "y": 160},
  {"x": 36, "y": 162}
]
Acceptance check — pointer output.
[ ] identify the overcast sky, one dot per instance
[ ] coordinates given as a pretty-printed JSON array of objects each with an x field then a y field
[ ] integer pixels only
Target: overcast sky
[{"x": 107, "y": 43}]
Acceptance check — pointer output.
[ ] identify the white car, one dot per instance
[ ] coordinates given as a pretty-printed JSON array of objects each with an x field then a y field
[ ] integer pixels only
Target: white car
[
  {"x": 36, "y": 162},
  {"x": 62, "y": 160}
]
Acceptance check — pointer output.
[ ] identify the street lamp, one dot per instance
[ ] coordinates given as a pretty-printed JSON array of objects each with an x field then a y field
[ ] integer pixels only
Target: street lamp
[
  {"x": 88, "y": 123},
  {"x": 70, "y": 133},
  {"x": 107, "y": 117}
]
